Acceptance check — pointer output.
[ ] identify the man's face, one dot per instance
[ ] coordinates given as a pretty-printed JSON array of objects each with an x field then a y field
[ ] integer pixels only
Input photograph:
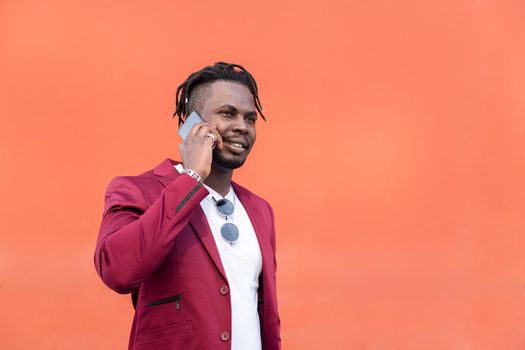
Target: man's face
[{"x": 231, "y": 109}]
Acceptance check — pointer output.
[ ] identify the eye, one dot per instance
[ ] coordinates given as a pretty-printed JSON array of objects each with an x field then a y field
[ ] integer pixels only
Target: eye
[
  {"x": 252, "y": 120},
  {"x": 228, "y": 114}
]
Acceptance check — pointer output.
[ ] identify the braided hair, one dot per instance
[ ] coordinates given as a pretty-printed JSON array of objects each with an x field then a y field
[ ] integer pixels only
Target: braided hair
[{"x": 209, "y": 74}]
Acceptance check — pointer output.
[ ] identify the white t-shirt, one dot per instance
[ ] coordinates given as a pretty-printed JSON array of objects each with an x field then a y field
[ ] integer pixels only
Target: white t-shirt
[{"x": 242, "y": 263}]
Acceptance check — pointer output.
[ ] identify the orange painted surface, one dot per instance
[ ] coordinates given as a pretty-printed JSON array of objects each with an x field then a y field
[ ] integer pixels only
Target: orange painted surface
[{"x": 394, "y": 157}]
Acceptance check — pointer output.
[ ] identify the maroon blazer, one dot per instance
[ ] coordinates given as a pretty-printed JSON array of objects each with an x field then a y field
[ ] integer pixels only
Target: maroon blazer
[{"x": 155, "y": 243}]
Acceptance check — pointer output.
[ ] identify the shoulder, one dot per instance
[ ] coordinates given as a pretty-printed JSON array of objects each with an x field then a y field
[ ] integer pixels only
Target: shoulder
[
  {"x": 266, "y": 211},
  {"x": 132, "y": 182},
  {"x": 147, "y": 179},
  {"x": 259, "y": 202},
  {"x": 140, "y": 189},
  {"x": 127, "y": 191}
]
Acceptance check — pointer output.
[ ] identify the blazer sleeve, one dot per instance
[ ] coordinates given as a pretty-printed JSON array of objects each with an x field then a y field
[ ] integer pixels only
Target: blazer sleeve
[
  {"x": 274, "y": 246},
  {"x": 273, "y": 340},
  {"x": 134, "y": 238}
]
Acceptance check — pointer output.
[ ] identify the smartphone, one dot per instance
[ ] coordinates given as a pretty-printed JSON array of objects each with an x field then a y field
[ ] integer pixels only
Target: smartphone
[{"x": 192, "y": 119}]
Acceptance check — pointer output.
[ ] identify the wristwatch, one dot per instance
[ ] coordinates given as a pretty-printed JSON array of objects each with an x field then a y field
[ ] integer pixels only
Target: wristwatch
[{"x": 193, "y": 174}]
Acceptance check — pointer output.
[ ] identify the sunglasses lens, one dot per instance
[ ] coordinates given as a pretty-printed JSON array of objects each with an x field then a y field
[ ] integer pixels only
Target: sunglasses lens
[
  {"x": 230, "y": 232},
  {"x": 224, "y": 206}
]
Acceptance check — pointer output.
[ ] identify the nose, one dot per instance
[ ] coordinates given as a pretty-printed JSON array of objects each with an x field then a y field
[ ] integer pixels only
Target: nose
[{"x": 240, "y": 125}]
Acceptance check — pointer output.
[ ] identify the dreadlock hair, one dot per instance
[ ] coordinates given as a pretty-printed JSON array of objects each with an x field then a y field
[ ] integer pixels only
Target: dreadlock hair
[{"x": 209, "y": 74}]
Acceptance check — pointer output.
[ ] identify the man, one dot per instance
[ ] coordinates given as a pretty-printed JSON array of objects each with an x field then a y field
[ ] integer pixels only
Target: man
[{"x": 196, "y": 250}]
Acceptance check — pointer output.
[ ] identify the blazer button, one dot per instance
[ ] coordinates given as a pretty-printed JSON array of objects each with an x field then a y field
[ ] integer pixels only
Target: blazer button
[
  {"x": 225, "y": 336},
  {"x": 224, "y": 289}
]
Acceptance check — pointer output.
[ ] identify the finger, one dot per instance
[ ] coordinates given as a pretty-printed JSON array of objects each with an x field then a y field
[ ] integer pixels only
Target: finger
[
  {"x": 196, "y": 129},
  {"x": 218, "y": 138},
  {"x": 199, "y": 134},
  {"x": 204, "y": 135},
  {"x": 203, "y": 130},
  {"x": 212, "y": 137},
  {"x": 207, "y": 136}
]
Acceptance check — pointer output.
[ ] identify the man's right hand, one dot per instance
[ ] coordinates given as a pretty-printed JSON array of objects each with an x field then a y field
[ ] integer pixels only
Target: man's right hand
[{"x": 197, "y": 149}]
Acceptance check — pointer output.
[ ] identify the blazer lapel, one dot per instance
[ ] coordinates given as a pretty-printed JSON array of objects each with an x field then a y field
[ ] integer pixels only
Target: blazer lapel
[
  {"x": 198, "y": 221},
  {"x": 200, "y": 225},
  {"x": 258, "y": 224}
]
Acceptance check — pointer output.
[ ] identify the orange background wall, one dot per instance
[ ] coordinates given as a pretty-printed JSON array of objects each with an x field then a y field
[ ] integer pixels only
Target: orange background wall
[{"x": 393, "y": 157}]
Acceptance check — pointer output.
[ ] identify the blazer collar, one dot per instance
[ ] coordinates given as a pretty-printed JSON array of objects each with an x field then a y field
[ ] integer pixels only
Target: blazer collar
[
  {"x": 261, "y": 231},
  {"x": 165, "y": 167},
  {"x": 167, "y": 172}
]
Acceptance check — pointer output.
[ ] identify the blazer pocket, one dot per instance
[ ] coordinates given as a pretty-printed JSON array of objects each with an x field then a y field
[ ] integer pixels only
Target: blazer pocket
[
  {"x": 181, "y": 327},
  {"x": 174, "y": 299}
]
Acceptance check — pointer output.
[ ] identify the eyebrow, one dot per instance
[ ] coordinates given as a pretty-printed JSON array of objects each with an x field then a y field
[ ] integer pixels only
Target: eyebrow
[{"x": 233, "y": 109}]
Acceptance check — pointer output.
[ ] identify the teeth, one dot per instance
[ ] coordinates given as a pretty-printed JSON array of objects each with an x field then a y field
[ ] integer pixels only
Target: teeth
[{"x": 238, "y": 145}]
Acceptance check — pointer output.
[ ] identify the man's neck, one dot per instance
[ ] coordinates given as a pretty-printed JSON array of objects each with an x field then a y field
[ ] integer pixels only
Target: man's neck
[{"x": 220, "y": 180}]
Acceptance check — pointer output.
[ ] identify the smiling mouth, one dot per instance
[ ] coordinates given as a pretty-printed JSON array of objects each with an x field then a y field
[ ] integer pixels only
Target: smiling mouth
[{"x": 236, "y": 145}]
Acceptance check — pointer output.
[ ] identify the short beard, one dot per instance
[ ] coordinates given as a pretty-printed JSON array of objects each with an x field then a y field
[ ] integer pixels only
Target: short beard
[{"x": 219, "y": 160}]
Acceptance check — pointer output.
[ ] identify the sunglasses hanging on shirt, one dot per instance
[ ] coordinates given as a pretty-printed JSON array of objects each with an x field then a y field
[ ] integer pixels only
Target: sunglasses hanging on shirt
[{"x": 229, "y": 231}]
